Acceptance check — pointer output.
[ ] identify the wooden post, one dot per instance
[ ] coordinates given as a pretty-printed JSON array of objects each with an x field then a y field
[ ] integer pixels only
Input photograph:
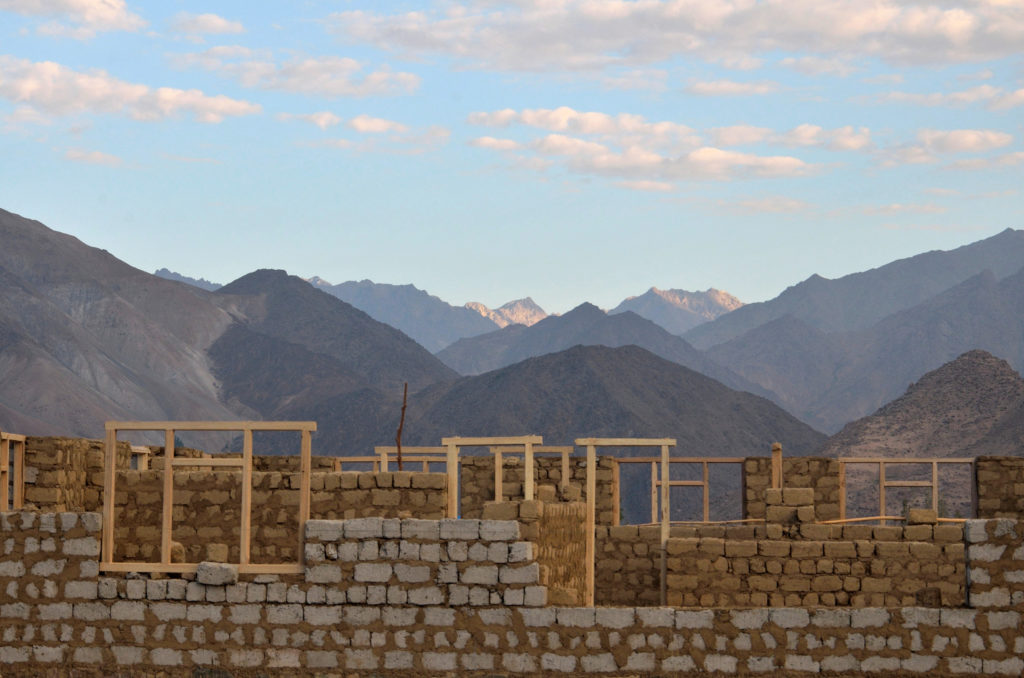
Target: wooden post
[
  {"x": 109, "y": 478},
  {"x": 565, "y": 470},
  {"x": 244, "y": 540},
  {"x": 306, "y": 462},
  {"x": 707, "y": 492},
  {"x": 665, "y": 514},
  {"x": 452, "y": 467},
  {"x": 5, "y": 477},
  {"x": 654, "y": 492},
  {"x": 842, "y": 490},
  {"x": 616, "y": 497},
  {"x": 528, "y": 471},
  {"x": 591, "y": 519},
  {"x": 935, "y": 487},
  {"x": 499, "y": 475},
  {"x": 776, "y": 465},
  {"x": 881, "y": 491},
  {"x": 165, "y": 523}
]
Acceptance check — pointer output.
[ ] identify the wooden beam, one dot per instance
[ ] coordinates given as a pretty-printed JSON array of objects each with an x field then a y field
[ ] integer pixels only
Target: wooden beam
[
  {"x": 452, "y": 467},
  {"x": 842, "y": 490},
  {"x": 244, "y": 536},
  {"x": 212, "y": 425},
  {"x": 5, "y": 477},
  {"x": 616, "y": 497},
  {"x": 707, "y": 498},
  {"x": 625, "y": 442},
  {"x": 528, "y": 473},
  {"x": 776, "y": 465},
  {"x": 881, "y": 488},
  {"x": 165, "y": 523},
  {"x": 654, "y": 492},
  {"x": 109, "y": 478},
  {"x": 499, "y": 475},
  {"x": 565, "y": 468},
  {"x": 19, "y": 473},
  {"x": 665, "y": 512},
  {"x": 591, "y": 521},
  {"x": 487, "y": 442},
  {"x": 935, "y": 488}
]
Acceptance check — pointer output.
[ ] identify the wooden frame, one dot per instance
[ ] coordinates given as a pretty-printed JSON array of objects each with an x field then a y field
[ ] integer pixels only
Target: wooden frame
[
  {"x": 592, "y": 444},
  {"x": 657, "y": 480},
  {"x": 416, "y": 455},
  {"x": 12, "y": 480},
  {"x": 337, "y": 463},
  {"x": 305, "y": 428},
  {"x": 452, "y": 446},
  {"x": 499, "y": 451},
  {"x": 882, "y": 462}
]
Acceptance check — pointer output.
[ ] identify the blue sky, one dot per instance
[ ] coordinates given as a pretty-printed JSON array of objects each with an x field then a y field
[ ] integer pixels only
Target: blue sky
[{"x": 569, "y": 150}]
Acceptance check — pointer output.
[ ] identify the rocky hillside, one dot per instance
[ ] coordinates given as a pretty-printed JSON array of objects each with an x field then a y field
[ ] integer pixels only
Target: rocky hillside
[
  {"x": 517, "y": 312},
  {"x": 679, "y": 310},
  {"x": 969, "y": 406},
  {"x": 201, "y": 283}
]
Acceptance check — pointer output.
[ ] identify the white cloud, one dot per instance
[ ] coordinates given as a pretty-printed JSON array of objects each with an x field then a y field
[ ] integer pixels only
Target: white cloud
[
  {"x": 532, "y": 35},
  {"x": 905, "y": 208},
  {"x": 205, "y": 24},
  {"x": 93, "y": 157},
  {"x": 322, "y": 119},
  {"x": 740, "y": 135},
  {"x": 963, "y": 140},
  {"x": 87, "y": 16},
  {"x": 648, "y": 186},
  {"x": 496, "y": 144},
  {"x": 650, "y": 79},
  {"x": 816, "y": 65},
  {"x": 58, "y": 90},
  {"x": 996, "y": 162},
  {"x": 718, "y": 88},
  {"x": 845, "y": 138},
  {"x": 329, "y": 76},
  {"x": 366, "y": 124},
  {"x": 995, "y": 98}
]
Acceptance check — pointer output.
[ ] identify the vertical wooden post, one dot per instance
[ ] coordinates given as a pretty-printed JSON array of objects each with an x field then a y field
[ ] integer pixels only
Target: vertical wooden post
[
  {"x": 591, "y": 519},
  {"x": 935, "y": 487},
  {"x": 528, "y": 471},
  {"x": 452, "y": 467},
  {"x": 244, "y": 540},
  {"x": 306, "y": 463},
  {"x": 654, "y": 492},
  {"x": 842, "y": 490},
  {"x": 5, "y": 477},
  {"x": 776, "y": 465},
  {"x": 974, "y": 488},
  {"x": 565, "y": 470},
  {"x": 499, "y": 475},
  {"x": 666, "y": 486},
  {"x": 19, "y": 474},
  {"x": 109, "y": 478},
  {"x": 707, "y": 492},
  {"x": 616, "y": 497},
  {"x": 881, "y": 491},
  {"x": 165, "y": 523}
]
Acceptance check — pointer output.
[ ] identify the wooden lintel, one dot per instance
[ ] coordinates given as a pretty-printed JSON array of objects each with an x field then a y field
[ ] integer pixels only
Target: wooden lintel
[
  {"x": 211, "y": 425},
  {"x": 625, "y": 442},
  {"x": 487, "y": 442}
]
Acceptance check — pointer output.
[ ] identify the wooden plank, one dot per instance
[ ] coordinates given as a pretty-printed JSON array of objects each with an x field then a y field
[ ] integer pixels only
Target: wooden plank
[
  {"x": 499, "y": 476},
  {"x": 685, "y": 460},
  {"x": 452, "y": 467},
  {"x": 707, "y": 502},
  {"x": 212, "y": 425},
  {"x": 5, "y": 476},
  {"x": 616, "y": 497},
  {"x": 19, "y": 474},
  {"x": 908, "y": 483},
  {"x": 306, "y": 463},
  {"x": 687, "y": 483},
  {"x": 565, "y": 469},
  {"x": 935, "y": 488},
  {"x": 842, "y": 490},
  {"x": 528, "y": 473},
  {"x": 776, "y": 465},
  {"x": 918, "y": 460},
  {"x": 109, "y": 477},
  {"x": 625, "y": 442},
  {"x": 654, "y": 492},
  {"x": 487, "y": 442},
  {"x": 591, "y": 516},
  {"x": 244, "y": 536},
  {"x": 165, "y": 523},
  {"x": 881, "y": 488}
]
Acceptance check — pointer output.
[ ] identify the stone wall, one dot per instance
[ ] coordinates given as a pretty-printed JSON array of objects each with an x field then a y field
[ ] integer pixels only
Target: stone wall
[
  {"x": 995, "y": 553},
  {"x": 354, "y": 611},
  {"x": 66, "y": 474},
  {"x": 817, "y": 473},
  {"x": 1000, "y": 487},
  {"x": 207, "y": 509},
  {"x": 477, "y": 482}
]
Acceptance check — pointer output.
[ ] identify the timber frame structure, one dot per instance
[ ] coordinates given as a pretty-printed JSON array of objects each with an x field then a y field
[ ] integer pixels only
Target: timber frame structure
[
  {"x": 244, "y": 464},
  {"x": 12, "y": 480}
]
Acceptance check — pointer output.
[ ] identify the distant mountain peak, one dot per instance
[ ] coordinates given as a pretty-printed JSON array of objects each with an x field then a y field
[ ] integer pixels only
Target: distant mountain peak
[
  {"x": 317, "y": 281},
  {"x": 679, "y": 310},
  {"x": 201, "y": 283},
  {"x": 516, "y": 312}
]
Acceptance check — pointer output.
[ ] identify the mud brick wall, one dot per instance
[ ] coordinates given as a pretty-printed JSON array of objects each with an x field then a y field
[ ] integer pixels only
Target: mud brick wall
[
  {"x": 557, "y": 529},
  {"x": 477, "y": 481},
  {"x": 59, "y": 617},
  {"x": 1000, "y": 487},
  {"x": 797, "y": 566},
  {"x": 817, "y": 473},
  {"x": 207, "y": 509},
  {"x": 995, "y": 558},
  {"x": 66, "y": 474}
]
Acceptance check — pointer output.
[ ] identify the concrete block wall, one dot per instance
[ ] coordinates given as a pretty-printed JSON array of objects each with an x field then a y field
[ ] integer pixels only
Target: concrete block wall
[
  {"x": 1000, "y": 487},
  {"x": 995, "y": 560},
  {"x": 65, "y": 619},
  {"x": 817, "y": 473},
  {"x": 477, "y": 481}
]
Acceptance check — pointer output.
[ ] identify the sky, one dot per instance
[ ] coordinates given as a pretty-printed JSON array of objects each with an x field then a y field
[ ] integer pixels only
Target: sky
[{"x": 567, "y": 150}]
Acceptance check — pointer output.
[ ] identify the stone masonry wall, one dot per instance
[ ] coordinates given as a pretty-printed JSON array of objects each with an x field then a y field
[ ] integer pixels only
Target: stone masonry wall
[
  {"x": 66, "y": 474},
  {"x": 377, "y": 603},
  {"x": 1000, "y": 487},
  {"x": 818, "y": 473},
  {"x": 207, "y": 509},
  {"x": 995, "y": 554},
  {"x": 477, "y": 481}
]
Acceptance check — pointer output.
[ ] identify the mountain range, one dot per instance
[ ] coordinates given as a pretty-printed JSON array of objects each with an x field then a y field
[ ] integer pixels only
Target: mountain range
[{"x": 678, "y": 310}]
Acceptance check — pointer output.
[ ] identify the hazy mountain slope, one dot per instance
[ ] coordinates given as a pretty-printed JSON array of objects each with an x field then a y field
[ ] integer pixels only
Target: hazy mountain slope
[
  {"x": 587, "y": 325},
  {"x": 600, "y": 391},
  {"x": 201, "y": 283},
  {"x": 433, "y": 323},
  {"x": 289, "y": 308},
  {"x": 516, "y": 312},
  {"x": 947, "y": 412},
  {"x": 679, "y": 310},
  {"x": 859, "y": 300}
]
